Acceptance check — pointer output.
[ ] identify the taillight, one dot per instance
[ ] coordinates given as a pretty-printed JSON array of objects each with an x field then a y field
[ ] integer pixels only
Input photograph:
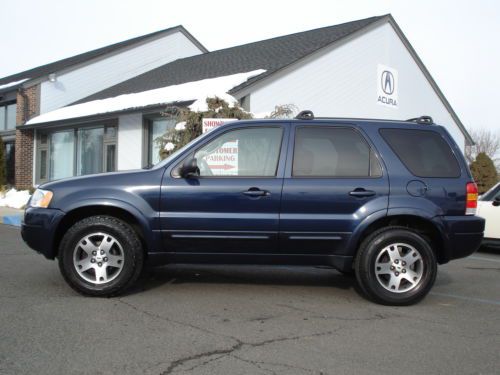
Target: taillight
[{"x": 471, "y": 200}]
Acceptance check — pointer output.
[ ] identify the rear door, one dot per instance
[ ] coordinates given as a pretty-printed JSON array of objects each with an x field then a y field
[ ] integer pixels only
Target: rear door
[{"x": 333, "y": 181}]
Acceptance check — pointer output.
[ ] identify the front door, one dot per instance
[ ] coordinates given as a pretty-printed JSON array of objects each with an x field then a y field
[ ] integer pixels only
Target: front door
[
  {"x": 333, "y": 182},
  {"x": 233, "y": 205}
]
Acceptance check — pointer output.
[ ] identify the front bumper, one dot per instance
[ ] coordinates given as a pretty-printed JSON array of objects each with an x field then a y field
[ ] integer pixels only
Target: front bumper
[
  {"x": 464, "y": 235},
  {"x": 38, "y": 229}
]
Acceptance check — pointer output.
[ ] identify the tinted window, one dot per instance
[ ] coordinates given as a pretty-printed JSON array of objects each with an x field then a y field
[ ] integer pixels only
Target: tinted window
[
  {"x": 425, "y": 153},
  {"x": 242, "y": 152},
  {"x": 333, "y": 152}
]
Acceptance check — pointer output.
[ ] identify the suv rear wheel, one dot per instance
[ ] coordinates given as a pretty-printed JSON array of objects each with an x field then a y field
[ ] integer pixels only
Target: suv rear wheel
[
  {"x": 395, "y": 266},
  {"x": 100, "y": 256}
]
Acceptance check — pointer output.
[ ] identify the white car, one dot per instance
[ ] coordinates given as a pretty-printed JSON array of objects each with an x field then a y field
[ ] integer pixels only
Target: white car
[{"x": 488, "y": 207}]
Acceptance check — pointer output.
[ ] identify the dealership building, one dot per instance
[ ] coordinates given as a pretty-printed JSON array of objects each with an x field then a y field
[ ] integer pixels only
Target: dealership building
[{"x": 101, "y": 110}]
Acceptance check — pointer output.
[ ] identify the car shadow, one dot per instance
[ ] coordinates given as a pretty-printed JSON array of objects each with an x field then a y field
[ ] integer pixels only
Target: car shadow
[{"x": 244, "y": 275}]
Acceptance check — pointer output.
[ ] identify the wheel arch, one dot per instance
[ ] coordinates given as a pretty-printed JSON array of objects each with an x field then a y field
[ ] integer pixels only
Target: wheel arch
[
  {"x": 120, "y": 211},
  {"x": 422, "y": 224}
]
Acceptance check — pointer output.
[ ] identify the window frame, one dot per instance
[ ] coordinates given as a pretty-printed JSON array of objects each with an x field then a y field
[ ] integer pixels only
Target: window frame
[
  {"x": 6, "y": 105},
  {"x": 40, "y": 147},
  {"x": 281, "y": 155},
  {"x": 340, "y": 126}
]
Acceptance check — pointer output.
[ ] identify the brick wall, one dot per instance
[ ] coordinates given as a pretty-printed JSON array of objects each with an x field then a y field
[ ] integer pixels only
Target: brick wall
[{"x": 26, "y": 109}]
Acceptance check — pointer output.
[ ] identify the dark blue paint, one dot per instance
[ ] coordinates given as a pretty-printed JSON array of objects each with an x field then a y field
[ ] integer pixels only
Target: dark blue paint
[{"x": 298, "y": 220}]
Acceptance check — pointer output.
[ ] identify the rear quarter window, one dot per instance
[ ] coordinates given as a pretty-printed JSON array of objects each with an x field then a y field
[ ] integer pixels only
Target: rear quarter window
[{"x": 424, "y": 152}]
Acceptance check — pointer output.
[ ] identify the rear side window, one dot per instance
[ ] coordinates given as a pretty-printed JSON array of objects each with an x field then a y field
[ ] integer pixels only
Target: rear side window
[
  {"x": 333, "y": 152},
  {"x": 425, "y": 153}
]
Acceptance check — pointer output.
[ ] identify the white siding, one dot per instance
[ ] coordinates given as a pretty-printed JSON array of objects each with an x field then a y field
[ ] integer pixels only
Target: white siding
[
  {"x": 130, "y": 141},
  {"x": 343, "y": 83},
  {"x": 89, "y": 79}
]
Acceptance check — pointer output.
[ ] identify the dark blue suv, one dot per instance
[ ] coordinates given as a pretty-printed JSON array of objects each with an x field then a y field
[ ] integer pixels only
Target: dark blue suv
[{"x": 386, "y": 200}]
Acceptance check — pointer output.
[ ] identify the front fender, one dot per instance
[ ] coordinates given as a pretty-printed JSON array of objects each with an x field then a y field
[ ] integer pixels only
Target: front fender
[{"x": 147, "y": 224}]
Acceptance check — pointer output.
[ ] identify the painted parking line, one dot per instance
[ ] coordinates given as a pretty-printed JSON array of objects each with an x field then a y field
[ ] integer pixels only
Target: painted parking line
[
  {"x": 465, "y": 298},
  {"x": 484, "y": 259}
]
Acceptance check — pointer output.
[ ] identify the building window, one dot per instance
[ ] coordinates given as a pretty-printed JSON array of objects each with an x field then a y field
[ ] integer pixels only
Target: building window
[
  {"x": 90, "y": 151},
  {"x": 8, "y": 117},
  {"x": 10, "y": 150},
  {"x": 156, "y": 128},
  {"x": 61, "y": 158},
  {"x": 75, "y": 152}
]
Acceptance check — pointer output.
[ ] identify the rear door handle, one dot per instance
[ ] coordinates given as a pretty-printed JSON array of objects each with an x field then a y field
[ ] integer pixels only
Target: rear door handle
[
  {"x": 361, "y": 193},
  {"x": 255, "y": 192}
]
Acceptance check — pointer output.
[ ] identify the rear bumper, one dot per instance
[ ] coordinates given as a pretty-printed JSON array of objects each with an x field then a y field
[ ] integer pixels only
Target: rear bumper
[
  {"x": 464, "y": 235},
  {"x": 38, "y": 229}
]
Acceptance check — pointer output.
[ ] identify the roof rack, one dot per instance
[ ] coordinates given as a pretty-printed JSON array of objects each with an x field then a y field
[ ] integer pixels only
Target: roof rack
[
  {"x": 305, "y": 115},
  {"x": 425, "y": 120}
]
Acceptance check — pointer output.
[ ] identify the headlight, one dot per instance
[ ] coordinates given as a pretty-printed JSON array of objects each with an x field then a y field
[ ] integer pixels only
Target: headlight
[{"x": 41, "y": 198}]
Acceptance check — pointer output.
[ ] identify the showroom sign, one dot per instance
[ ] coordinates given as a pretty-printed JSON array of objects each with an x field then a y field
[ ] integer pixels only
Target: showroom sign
[
  {"x": 387, "y": 86},
  {"x": 224, "y": 160},
  {"x": 208, "y": 124}
]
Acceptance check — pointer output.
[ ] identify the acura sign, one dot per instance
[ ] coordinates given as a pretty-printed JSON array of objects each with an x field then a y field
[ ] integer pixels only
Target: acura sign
[{"x": 387, "y": 86}]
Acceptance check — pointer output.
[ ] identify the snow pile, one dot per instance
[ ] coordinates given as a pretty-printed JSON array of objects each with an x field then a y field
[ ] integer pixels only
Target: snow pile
[
  {"x": 14, "y": 198},
  {"x": 198, "y": 91},
  {"x": 7, "y": 85}
]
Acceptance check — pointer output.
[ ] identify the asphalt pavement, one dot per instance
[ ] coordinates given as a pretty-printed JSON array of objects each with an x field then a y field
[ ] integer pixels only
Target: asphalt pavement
[{"x": 244, "y": 320}]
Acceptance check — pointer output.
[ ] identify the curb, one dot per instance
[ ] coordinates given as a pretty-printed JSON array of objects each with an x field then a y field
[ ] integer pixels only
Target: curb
[{"x": 14, "y": 220}]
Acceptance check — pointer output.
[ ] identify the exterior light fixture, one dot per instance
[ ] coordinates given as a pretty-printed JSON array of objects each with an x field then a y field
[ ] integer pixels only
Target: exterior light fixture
[{"x": 52, "y": 77}]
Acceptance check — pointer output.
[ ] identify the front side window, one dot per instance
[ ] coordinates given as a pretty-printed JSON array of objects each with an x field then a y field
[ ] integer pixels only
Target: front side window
[
  {"x": 492, "y": 194},
  {"x": 425, "y": 153},
  {"x": 250, "y": 152},
  {"x": 333, "y": 152}
]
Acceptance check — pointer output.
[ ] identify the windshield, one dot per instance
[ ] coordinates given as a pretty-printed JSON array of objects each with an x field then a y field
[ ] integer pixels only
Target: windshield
[{"x": 178, "y": 152}]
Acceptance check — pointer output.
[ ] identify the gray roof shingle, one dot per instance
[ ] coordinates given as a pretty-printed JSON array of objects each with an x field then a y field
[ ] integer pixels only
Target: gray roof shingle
[
  {"x": 56, "y": 66},
  {"x": 271, "y": 55}
]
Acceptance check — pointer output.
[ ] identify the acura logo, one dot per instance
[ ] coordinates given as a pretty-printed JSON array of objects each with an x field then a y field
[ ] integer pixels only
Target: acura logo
[{"x": 387, "y": 82}]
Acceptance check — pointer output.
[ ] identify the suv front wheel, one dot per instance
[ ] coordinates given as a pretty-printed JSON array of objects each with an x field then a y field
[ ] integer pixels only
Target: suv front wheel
[
  {"x": 395, "y": 266},
  {"x": 100, "y": 256}
]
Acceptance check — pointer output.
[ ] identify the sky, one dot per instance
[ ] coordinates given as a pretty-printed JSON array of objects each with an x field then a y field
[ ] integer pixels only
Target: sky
[{"x": 458, "y": 40}]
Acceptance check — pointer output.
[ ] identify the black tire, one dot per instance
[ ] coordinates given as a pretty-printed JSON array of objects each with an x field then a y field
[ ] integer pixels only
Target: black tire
[
  {"x": 131, "y": 256},
  {"x": 378, "y": 245}
]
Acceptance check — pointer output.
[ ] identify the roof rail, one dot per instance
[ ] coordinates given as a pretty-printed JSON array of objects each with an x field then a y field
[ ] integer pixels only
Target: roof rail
[
  {"x": 425, "y": 120},
  {"x": 305, "y": 115}
]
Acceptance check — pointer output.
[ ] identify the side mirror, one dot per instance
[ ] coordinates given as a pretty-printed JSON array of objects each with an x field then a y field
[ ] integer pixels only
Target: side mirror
[
  {"x": 189, "y": 169},
  {"x": 496, "y": 202}
]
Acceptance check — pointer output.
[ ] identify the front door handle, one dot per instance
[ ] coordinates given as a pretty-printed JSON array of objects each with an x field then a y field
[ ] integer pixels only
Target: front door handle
[
  {"x": 361, "y": 193},
  {"x": 256, "y": 192}
]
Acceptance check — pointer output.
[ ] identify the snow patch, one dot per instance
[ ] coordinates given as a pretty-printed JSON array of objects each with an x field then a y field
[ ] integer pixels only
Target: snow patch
[
  {"x": 7, "y": 85},
  {"x": 180, "y": 126},
  {"x": 14, "y": 198},
  {"x": 169, "y": 146},
  {"x": 198, "y": 91}
]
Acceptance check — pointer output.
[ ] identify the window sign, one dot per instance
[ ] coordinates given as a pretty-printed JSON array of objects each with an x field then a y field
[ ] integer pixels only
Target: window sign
[{"x": 224, "y": 161}]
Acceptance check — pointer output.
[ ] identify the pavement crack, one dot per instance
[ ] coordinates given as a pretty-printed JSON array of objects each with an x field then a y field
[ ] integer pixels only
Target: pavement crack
[
  {"x": 221, "y": 352},
  {"x": 239, "y": 345},
  {"x": 276, "y": 364},
  {"x": 314, "y": 315},
  {"x": 170, "y": 320}
]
